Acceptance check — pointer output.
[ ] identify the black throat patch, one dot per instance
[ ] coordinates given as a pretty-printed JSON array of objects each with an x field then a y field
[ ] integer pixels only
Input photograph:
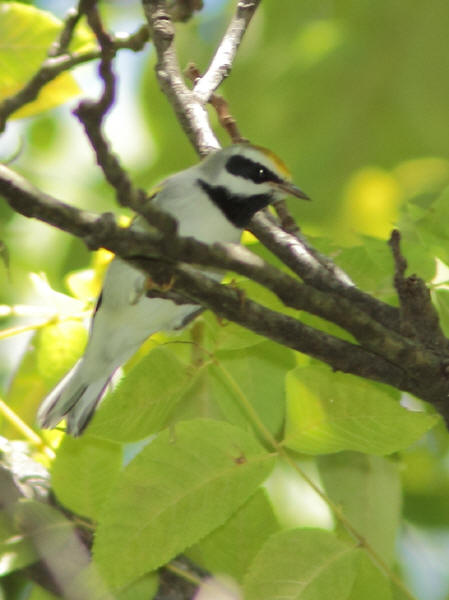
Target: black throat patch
[{"x": 237, "y": 209}]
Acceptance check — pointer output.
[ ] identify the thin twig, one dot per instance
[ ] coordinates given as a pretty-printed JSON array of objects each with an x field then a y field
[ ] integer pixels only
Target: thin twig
[
  {"x": 224, "y": 57},
  {"x": 221, "y": 106},
  {"x": 190, "y": 112},
  {"x": 61, "y": 45},
  {"x": 189, "y": 104},
  {"x": 91, "y": 113},
  {"x": 30, "y": 435},
  {"x": 419, "y": 318},
  {"x": 55, "y": 65}
]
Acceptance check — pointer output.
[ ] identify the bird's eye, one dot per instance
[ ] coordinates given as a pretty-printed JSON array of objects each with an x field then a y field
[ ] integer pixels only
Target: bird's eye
[{"x": 262, "y": 174}]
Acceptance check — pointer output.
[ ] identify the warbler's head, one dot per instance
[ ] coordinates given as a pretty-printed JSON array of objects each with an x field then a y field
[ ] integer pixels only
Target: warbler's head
[{"x": 241, "y": 179}]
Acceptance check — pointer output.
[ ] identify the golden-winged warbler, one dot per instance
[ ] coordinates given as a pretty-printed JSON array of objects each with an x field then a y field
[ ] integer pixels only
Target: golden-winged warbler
[{"x": 212, "y": 201}]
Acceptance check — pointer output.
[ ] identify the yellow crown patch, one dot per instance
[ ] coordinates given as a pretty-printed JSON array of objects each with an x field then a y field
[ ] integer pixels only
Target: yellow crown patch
[{"x": 280, "y": 165}]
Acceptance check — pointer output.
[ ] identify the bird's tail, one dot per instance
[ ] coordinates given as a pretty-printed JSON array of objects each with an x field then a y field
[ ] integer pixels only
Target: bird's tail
[{"x": 74, "y": 399}]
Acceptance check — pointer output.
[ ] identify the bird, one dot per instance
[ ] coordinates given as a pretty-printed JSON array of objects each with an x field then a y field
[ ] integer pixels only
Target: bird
[{"x": 212, "y": 201}]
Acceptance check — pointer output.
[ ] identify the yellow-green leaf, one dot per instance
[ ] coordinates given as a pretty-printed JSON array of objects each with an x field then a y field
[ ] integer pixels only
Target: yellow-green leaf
[
  {"x": 330, "y": 412},
  {"x": 180, "y": 487},
  {"x": 26, "y": 34}
]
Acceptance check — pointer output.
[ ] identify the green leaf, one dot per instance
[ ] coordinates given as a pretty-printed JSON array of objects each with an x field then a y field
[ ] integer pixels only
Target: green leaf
[
  {"x": 144, "y": 398},
  {"x": 144, "y": 588},
  {"x": 400, "y": 594},
  {"x": 232, "y": 547},
  {"x": 27, "y": 34},
  {"x": 224, "y": 383},
  {"x": 330, "y": 412},
  {"x": 425, "y": 481},
  {"x": 180, "y": 487},
  {"x": 198, "y": 399},
  {"x": 83, "y": 472},
  {"x": 370, "y": 583},
  {"x": 227, "y": 335},
  {"x": 258, "y": 374},
  {"x": 424, "y": 235},
  {"x": 302, "y": 564},
  {"x": 370, "y": 266},
  {"x": 368, "y": 490}
]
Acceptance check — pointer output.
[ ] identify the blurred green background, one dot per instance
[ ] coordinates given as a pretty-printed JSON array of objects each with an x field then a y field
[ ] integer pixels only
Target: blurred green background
[{"x": 353, "y": 95}]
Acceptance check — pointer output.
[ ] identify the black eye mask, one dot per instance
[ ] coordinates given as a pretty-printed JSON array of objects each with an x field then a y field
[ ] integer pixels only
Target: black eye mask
[{"x": 248, "y": 169}]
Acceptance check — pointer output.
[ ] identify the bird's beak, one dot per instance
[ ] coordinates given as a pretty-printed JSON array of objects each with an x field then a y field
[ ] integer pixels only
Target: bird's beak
[{"x": 290, "y": 189}]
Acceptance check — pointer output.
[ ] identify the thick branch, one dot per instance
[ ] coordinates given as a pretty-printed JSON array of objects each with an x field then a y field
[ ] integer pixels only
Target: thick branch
[
  {"x": 420, "y": 372},
  {"x": 227, "y": 302},
  {"x": 103, "y": 231},
  {"x": 95, "y": 230},
  {"x": 318, "y": 271},
  {"x": 385, "y": 355}
]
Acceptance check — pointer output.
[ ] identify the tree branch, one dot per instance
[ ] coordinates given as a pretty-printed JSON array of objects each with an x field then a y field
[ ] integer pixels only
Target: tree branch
[
  {"x": 61, "y": 45},
  {"x": 418, "y": 317},
  {"x": 226, "y": 52},
  {"x": 221, "y": 107},
  {"x": 61, "y": 59},
  {"x": 56, "y": 64},
  {"x": 92, "y": 113},
  {"x": 190, "y": 112},
  {"x": 318, "y": 270},
  {"x": 383, "y": 355},
  {"x": 103, "y": 231},
  {"x": 227, "y": 302}
]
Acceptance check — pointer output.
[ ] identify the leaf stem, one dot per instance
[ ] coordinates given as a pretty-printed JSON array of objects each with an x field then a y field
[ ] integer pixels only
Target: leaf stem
[
  {"x": 25, "y": 430},
  {"x": 184, "y": 574},
  {"x": 53, "y": 320},
  {"x": 335, "y": 508}
]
